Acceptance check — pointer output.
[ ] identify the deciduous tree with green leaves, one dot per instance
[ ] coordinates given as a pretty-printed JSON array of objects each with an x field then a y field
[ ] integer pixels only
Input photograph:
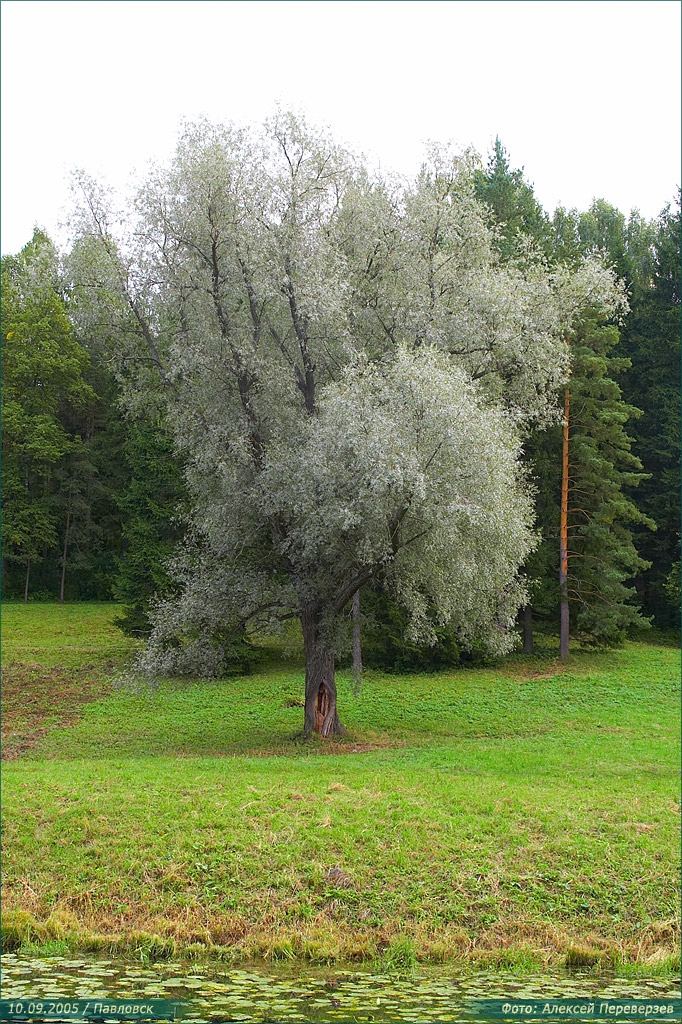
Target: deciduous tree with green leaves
[{"x": 43, "y": 370}]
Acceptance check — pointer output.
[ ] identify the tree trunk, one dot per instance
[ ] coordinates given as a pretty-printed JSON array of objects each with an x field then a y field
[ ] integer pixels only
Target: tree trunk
[
  {"x": 528, "y": 630},
  {"x": 357, "y": 636},
  {"x": 320, "y": 686},
  {"x": 563, "y": 541},
  {"x": 28, "y": 570},
  {"x": 66, "y": 545}
]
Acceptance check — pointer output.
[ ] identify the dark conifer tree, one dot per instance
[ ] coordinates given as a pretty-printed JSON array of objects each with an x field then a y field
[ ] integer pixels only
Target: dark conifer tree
[
  {"x": 647, "y": 256},
  {"x": 652, "y": 343},
  {"x": 603, "y": 469},
  {"x": 151, "y": 529},
  {"x": 602, "y": 557},
  {"x": 512, "y": 204}
]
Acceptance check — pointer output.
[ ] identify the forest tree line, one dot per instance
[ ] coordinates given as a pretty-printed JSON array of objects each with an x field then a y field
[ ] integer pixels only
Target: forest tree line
[{"x": 93, "y": 497}]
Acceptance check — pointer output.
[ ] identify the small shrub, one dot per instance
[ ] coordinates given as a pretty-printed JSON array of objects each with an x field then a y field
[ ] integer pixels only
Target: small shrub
[
  {"x": 581, "y": 956},
  {"x": 19, "y": 927},
  {"x": 385, "y": 645},
  {"x": 150, "y": 947},
  {"x": 400, "y": 955},
  {"x": 52, "y": 947}
]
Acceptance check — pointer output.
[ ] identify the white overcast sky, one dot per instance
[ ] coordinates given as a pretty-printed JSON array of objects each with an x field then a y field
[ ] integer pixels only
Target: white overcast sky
[{"x": 584, "y": 95}]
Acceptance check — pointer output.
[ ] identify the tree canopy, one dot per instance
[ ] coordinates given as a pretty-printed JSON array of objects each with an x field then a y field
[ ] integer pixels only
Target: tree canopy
[
  {"x": 347, "y": 365},
  {"x": 43, "y": 368}
]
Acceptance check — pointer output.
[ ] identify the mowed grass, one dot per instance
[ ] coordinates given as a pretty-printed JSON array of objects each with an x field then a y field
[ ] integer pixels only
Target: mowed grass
[
  {"x": 526, "y": 810},
  {"x": 67, "y": 635}
]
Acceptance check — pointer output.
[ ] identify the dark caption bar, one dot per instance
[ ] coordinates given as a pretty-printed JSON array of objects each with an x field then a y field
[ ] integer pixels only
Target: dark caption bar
[
  {"x": 90, "y": 1009},
  {"x": 577, "y": 1009}
]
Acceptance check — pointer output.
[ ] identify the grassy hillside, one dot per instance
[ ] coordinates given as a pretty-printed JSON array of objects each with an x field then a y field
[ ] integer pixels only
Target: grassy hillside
[{"x": 522, "y": 812}]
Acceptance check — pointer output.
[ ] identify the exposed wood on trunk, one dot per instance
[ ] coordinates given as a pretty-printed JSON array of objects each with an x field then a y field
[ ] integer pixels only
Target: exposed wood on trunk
[
  {"x": 320, "y": 685},
  {"x": 563, "y": 541}
]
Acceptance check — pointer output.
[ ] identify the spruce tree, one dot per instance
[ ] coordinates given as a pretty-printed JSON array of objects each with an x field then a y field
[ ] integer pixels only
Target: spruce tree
[
  {"x": 602, "y": 556},
  {"x": 652, "y": 343},
  {"x": 513, "y": 208},
  {"x": 151, "y": 529},
  {"x": 647, "y": 257}
]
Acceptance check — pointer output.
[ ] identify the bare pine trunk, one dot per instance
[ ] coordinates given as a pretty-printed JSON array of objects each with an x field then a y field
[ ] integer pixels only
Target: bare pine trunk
[
  {"x": 28, "y": 572},
  {"x": 563, "y": 542},
  {"x": 528, "y": 630},
  {"x": 320, "y": 686},
  {"x": 66, "y": 545},
  {"x": 357, "y": 636}
]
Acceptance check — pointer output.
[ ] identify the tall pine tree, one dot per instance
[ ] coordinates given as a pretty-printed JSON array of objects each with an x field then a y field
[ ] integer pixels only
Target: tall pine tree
[
  {"x": 603, "y": 469},
  {"x": 602, "y": 557}
]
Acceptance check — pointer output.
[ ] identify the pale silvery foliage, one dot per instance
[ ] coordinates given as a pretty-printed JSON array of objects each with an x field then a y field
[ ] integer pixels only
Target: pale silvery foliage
[
  {"x": 406, "y": 468},
  {"x": 346, "y": 365}
]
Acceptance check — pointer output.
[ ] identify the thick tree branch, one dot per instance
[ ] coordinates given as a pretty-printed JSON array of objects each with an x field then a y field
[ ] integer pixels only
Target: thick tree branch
[
  {"x": 306, "y": 381},
  {"x": 246, "y": 380}
]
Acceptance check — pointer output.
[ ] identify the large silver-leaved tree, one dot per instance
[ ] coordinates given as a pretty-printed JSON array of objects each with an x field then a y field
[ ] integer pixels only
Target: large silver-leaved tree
[{"x": 349, "y": 372}]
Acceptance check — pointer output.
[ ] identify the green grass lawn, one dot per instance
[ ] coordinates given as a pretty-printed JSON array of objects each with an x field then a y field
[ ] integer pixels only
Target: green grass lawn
[{"x": 522, "y": 812}]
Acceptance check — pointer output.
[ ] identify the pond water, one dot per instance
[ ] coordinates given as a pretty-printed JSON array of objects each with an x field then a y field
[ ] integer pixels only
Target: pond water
[{"x": 217, "y": 992}]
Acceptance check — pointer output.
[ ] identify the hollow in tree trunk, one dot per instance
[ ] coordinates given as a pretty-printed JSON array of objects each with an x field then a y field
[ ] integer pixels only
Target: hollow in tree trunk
[{"x": 320, "y": 686}]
